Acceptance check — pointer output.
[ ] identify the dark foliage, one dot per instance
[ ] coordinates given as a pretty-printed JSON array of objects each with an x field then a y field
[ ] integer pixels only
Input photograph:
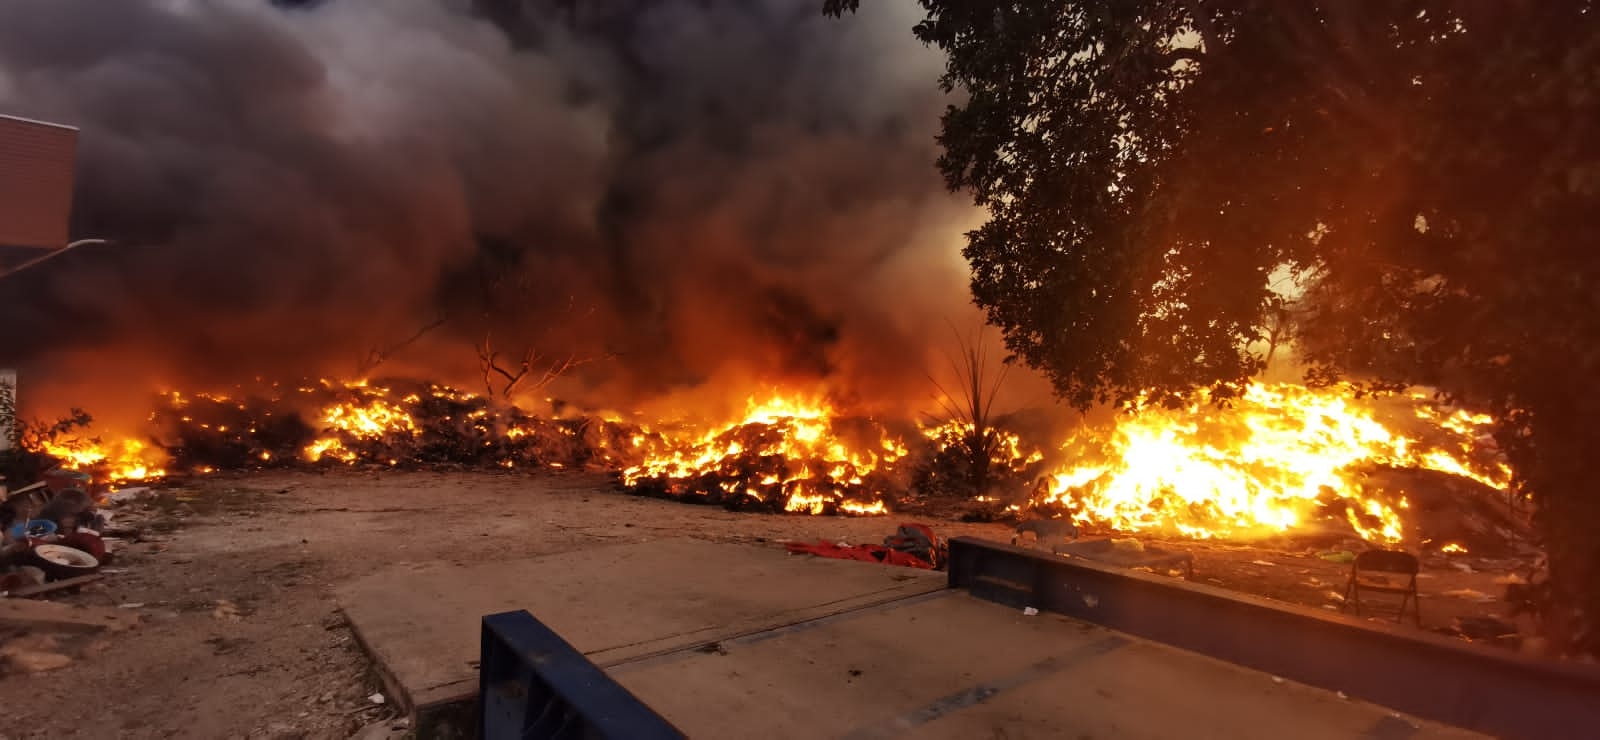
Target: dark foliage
[{"x": 1404, "y": 190}]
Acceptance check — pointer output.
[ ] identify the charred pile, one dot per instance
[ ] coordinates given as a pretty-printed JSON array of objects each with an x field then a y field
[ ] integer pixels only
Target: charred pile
[{"x": 398, "y": 424}]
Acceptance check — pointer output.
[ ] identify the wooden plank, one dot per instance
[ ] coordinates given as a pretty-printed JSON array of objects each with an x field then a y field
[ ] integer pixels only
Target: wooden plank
[
  {"x": 54, "y": 615},
  {"x": 54, "y": 586}
]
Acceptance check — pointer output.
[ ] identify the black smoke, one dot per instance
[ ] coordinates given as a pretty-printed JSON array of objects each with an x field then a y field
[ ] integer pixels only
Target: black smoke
[{"x": 697, "y": 192}]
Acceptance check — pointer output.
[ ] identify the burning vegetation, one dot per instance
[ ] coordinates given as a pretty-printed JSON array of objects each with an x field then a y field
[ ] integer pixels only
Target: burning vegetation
[
  {"x": 1280, "y": 460},
  {"x": 1283, "y": 457}
]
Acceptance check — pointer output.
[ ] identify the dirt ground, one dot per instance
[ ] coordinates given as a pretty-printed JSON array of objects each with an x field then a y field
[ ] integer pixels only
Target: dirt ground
[{"x": 241, "y": 639}]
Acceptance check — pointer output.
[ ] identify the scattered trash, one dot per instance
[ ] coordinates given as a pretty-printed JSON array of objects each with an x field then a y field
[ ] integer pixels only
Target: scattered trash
[
  {"x": 1046, "y": 532},
  {"x": 1127, "y": 545},
  {"x": 1334, "y": 596},
  {"x": 21, "y": 578},
  {"x": 1510, "y": 579},
  {"x": 226, "y": 611},
  {"x": 376, "y": 698},
  {"x": 1277, "y": 679},
  {"x": 1342, "y": 695},
  {"x": 711, "y": 648},
  {"x": 1463, "y": 567},
  {"x": 1469, "y": 594},
  {"x": 131, "y": 605},
  {"x": 1263, "y": 562},
  {"x": 1484, "y": 628},
  {"x": 129, "y": 494},
  {"x": 1091, "y": 601},
  {"x": 1030, "y": 612},
  {"x": 911, "y": 546},
  {"x": 33, "y": 529}
]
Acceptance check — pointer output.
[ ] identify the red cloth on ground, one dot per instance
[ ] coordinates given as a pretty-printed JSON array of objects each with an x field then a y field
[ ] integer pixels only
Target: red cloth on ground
[{"x": 866, "y": 553}]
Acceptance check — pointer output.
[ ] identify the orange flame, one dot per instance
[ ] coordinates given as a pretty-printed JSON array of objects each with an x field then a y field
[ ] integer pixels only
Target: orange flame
[
  {"x": 366, "y": 416},
  {"x": 121, "y": 461},
  {"x": 1281, "y": 454},
  {"x": 818, "y": 469}
]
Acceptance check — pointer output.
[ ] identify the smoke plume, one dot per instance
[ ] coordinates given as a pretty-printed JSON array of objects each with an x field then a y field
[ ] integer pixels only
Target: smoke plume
[{"x": 695, "y": 195}]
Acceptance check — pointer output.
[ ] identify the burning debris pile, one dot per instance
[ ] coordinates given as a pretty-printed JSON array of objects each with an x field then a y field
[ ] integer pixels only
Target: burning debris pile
[
  {"x": 1283, "y": 458},
  {"x": 395, "y": 424},
  {"x": 783, "y": 455},
  {"x": 399, "y": 424}
]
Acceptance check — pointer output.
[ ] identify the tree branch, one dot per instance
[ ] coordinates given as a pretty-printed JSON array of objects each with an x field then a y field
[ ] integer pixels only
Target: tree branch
[{"x": 377, "y": 356}]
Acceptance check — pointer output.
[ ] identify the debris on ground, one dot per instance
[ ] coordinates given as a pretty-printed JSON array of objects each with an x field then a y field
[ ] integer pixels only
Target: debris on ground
[
  {"x": 226, "y": 611},
  {"x": 51, "y": 545},
  {"x": 35, "y": 654},
  {"x": 1470, "y": 594},
  {"x": 30, "y": 613},
  {"x": 911, "y": 546},
  {"x": 1131, "y": 553}
]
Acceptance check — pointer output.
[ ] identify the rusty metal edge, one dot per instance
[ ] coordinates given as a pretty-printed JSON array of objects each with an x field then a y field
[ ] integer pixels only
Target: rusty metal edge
[{"x": 1424, "y": 675}]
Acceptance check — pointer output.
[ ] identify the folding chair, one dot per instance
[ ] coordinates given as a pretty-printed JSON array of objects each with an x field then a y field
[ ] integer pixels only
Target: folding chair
[{"x": 1389, "y": 572}]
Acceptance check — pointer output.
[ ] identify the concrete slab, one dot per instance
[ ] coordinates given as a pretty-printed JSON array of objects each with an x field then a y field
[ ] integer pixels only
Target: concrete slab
[
  {"x": 949, "y": 666},
  {"x": 421, "y": 622}
]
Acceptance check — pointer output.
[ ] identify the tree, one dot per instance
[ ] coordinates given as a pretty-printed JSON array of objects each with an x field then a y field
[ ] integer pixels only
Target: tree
[{"x": 1426, "y": 171}]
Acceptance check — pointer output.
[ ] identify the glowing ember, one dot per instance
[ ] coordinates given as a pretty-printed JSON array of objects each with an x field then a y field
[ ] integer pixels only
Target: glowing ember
[
  {"x": 1282, "y": 456},
  {"x": 787, "y": 454}
]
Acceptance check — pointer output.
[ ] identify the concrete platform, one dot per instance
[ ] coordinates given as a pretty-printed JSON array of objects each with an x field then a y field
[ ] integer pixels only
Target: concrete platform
[
  {"x": 422, "y": 623},
  {"x": 732, "y": 641}
]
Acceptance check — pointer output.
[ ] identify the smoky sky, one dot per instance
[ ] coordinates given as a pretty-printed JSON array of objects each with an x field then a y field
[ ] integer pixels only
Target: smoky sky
[{"x": 691, "y": 191}]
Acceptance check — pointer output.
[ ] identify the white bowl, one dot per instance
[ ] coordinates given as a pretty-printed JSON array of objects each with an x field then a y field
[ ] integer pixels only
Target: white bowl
[{"x": 66, "y": 557}]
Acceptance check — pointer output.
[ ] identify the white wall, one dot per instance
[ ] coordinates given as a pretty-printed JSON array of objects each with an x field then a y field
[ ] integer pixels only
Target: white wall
[{"x": 8, "y": 380}]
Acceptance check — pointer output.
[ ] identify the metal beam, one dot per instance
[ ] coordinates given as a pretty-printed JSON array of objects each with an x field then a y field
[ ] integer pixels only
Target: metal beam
[
  {"x": 1489, "y": 690},
  {"x": 52, "y": 255},
  {"x": 533, "y": 685}
]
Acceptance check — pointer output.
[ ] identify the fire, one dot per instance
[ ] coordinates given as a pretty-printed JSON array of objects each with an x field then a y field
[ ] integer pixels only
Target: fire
[
  {"x": 121, "y": 461},
  {"x": 786, "y": 453},
  {"x": 1007, "y": 450},
  {"x": 367, "y": 415},
  {"x": 1282, "y": 456}
]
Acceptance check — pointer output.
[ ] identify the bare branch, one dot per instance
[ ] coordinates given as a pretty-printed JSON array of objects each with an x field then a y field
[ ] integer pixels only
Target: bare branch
[{"x": 377, "y": 356}]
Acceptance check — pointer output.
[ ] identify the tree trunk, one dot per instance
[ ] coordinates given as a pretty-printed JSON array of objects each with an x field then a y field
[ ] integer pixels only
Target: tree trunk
[{"x": 1568, "y": 520}]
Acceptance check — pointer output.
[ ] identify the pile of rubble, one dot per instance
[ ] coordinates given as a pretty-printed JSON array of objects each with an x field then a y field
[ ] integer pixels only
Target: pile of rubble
[{"x": 56, "y": 537}]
